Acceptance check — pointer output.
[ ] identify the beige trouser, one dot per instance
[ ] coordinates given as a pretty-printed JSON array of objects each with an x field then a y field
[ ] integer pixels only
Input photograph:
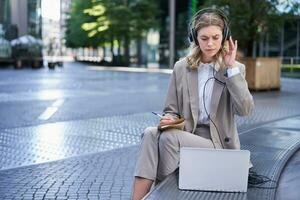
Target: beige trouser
[{"x": 156, "y": 160}]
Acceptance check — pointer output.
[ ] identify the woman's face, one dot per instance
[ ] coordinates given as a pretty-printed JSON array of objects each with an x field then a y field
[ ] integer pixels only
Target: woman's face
[{"x": 210, "y": 39}]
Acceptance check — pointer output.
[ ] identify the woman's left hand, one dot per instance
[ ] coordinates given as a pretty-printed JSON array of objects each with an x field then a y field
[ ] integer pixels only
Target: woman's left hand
[{"x": 229, "y": 56}]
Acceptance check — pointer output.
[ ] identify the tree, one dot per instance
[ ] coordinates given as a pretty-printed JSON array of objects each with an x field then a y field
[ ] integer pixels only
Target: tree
[
  {"x": 120, "y": 21},
  {"x": 75, "y": 36},
  {"x": 145, "y": 13},
  {"x": 250, "y": 21}
]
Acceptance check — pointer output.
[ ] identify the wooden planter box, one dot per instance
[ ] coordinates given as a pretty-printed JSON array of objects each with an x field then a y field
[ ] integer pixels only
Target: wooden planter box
[{"x": 262, "y": 73}]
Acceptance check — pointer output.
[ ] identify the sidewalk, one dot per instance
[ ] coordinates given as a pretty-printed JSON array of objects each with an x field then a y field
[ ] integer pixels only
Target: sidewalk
[{"x": 103, "y": 164}]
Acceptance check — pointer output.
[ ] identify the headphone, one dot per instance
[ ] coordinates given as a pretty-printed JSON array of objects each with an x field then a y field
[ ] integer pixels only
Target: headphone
[{"x": 193, "y": 33}]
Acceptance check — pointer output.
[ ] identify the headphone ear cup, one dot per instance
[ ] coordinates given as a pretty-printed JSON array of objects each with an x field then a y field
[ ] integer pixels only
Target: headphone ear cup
[
  {"x": 226, "y": 34},
  {"x": 194, "y": 35},
  {"x": 191, "y": 37}
]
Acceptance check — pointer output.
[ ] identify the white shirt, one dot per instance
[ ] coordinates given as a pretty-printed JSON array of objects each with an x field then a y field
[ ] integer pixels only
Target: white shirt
[{"x": 205, "y": 72}]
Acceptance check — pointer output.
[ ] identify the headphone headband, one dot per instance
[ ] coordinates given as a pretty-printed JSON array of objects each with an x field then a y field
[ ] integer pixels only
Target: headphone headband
[
  {"x": 198, "y": 14},
  {"x": 210, "y": 10}
]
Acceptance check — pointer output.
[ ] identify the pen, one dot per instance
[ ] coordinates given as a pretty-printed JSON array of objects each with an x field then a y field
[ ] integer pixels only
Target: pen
[{"x": 157, "y": 114}]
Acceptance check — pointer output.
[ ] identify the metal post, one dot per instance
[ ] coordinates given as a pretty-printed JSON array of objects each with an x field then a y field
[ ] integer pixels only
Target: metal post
[
  {"x": 60, "y": 28},
  {"x": 282, "y": 42},
  {"x": 298, "y": 39},
  {"x": 261, "y": 46},
  {"x": 172, "y": 4},
  {"x": 267, "y": 50},
  {"x": 254, "y": 49}
]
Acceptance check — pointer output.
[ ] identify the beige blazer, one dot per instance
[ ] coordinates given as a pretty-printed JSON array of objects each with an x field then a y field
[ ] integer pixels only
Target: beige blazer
[{"x": 226, "y": 101}]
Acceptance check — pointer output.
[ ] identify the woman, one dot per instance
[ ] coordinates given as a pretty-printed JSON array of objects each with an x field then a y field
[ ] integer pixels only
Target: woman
[{"x": 207, "y": 89}]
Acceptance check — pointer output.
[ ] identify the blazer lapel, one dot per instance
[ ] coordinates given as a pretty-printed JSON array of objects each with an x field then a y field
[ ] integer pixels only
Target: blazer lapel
[
  {"x": 192, "y": 80},
  {"x": 216, "y": 93}
]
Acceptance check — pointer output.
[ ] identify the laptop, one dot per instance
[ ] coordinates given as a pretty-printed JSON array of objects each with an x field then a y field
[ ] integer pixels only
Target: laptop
[{"x": 223, "y": 170}]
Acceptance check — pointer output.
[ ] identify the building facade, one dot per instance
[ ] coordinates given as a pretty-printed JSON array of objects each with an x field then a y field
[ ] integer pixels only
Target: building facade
[
  {"x": 53, "y": 30},
  {"x": 21, "y": 18}
]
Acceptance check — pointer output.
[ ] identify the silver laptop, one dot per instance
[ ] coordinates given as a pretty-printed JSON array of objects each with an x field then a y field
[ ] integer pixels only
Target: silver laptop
[{"x": 213, "y": 169}]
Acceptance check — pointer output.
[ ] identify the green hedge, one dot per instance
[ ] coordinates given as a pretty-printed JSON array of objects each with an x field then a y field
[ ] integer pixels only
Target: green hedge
[{"x": 290, "y": 68}]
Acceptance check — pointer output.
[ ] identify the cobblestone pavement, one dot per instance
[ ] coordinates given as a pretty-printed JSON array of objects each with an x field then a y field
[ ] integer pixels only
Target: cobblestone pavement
[
  {"x": 97, "y": 176},
  {"x": 52, "y": 141},
  {"x": 102, "y": 144},
  {"x": 46, "y": 142}
]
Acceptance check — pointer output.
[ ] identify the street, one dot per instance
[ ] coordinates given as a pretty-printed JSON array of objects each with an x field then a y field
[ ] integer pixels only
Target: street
[{"x": 26, "y": 93}]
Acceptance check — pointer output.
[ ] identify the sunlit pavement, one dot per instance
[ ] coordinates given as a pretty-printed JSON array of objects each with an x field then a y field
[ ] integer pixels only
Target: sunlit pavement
[{"x": 96, "y": 117}]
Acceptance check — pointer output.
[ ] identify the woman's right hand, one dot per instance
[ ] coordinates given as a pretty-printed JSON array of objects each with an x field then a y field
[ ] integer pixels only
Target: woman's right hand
[{"x": 165, "y": 120}]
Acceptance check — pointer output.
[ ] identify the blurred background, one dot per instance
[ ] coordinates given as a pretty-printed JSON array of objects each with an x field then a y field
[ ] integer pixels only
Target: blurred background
[{"x": 141, "y": 33}]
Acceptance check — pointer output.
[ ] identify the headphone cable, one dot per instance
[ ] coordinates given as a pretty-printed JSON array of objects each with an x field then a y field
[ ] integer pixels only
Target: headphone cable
[
  {"x": 257, "y": 181},
  {"x": 203, "y": 99},
  {"x": 203, "y": 96},
  {"x": 254, "y": 180}
]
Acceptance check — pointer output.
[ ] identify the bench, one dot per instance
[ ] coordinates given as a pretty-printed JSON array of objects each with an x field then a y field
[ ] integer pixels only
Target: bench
[{"x": 271, "y": 146}]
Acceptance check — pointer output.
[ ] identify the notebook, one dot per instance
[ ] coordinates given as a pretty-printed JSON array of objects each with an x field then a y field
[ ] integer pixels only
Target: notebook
[{"x": 213, "y": 169}]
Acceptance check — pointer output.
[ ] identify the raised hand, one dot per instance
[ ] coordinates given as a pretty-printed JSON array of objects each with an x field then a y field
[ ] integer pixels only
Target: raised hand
[{"x": 230, "y": 55}]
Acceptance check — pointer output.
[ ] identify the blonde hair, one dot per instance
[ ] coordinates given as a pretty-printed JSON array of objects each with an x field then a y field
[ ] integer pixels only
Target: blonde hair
[{"x": 195, "y": 53}]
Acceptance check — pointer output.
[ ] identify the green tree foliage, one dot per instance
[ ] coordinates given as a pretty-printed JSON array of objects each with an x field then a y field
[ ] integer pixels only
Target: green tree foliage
[
  {"x": 133, "y": 17},
  {"x": 115, "y": 22},
  {"x": 111, "y": 20},
  {"x": 75, "y": 35},
  {"x": 250, "y": 20}
]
